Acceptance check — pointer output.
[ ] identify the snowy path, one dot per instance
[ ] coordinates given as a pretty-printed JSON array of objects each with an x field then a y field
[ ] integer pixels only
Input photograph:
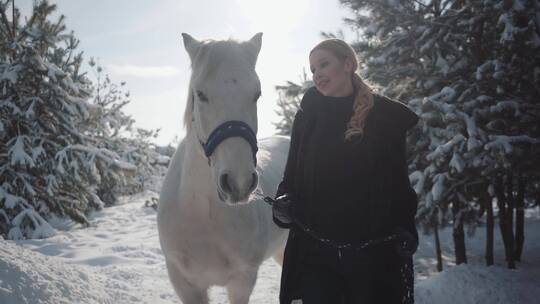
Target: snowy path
[
  {"x": 120, "y": 254},
  {"x": 118, "y": 260}
]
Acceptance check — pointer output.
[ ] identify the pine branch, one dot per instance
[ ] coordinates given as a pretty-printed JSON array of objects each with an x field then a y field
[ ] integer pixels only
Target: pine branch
[{"x": 5, "y": 21}]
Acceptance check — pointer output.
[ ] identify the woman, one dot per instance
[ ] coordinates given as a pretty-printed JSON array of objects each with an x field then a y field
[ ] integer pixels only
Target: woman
[{"x": 345, "y": 192}]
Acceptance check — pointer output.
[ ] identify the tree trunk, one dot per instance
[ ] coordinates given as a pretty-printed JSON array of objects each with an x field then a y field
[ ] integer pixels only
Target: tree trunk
[
  {"x": 438, "y": 248},
  {"x": 510, "y": 202},
  {"x": 488, "y": 203},
  {"x": 13, "y": 19},
  {"x": 520, "y": 218},
  {"x": 458, "y": 234},
  {"x": 501, "y": 203}
]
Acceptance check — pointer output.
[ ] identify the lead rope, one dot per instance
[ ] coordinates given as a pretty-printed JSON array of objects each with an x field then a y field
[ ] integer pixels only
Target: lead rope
[
  {"x": 338, "y": 245},
  {"x": 406, "y": 269}
]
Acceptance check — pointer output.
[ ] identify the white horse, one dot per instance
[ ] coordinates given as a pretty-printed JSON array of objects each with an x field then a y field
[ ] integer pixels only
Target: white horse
[{"x": 213, "y": 228}]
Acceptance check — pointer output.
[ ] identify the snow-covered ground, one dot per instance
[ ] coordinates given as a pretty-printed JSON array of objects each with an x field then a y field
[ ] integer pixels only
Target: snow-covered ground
[{"x": 118, "y": 260}]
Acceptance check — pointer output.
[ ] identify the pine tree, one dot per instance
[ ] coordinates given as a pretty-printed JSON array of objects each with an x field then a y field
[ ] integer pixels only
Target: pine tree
[
  {"x": 290, "y": 95},
  {"x": 471, "y": 70},
  {"x": 50, "y": 162},
  {"x": 116, "y": 132}
]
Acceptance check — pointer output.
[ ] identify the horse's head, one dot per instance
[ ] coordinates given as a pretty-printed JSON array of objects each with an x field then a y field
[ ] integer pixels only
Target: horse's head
[{"x": 222, "y": 111}]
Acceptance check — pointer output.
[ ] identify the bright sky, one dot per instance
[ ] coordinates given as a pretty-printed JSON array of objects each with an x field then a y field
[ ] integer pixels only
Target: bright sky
[{"x": 140, "y": 42}]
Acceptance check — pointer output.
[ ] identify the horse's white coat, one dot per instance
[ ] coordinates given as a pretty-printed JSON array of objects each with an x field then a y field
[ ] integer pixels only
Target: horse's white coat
[{"x": 205, "y": 240}]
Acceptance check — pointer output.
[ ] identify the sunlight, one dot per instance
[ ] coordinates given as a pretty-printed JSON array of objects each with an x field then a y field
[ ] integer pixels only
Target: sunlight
[{"x": 278, "y": 15}]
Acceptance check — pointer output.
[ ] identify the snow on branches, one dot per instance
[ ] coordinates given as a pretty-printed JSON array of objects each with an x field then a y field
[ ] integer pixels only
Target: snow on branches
[
  {"x": 55, "y": 157},
  {"x": 471, "y": 71}
]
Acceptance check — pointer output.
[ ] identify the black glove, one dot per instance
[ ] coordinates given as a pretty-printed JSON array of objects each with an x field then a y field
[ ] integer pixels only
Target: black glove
[
  {"x": 282, "y": 208},
  {"x": 406, "y": 243}
]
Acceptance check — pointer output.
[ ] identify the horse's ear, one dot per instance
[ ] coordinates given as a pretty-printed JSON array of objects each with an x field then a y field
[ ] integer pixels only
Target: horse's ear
[
  {"x": 256, "y": 41},
  {"x": 191, "y": 45},
  {"x": 254, "y": 46}
]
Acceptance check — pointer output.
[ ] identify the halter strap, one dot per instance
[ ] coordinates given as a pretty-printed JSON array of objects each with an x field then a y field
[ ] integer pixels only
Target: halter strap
[{"x": 232, "y": 128}]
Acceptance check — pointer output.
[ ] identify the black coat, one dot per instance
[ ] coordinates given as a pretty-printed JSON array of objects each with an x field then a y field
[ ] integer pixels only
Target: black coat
[{"x": 391, "y": 195}]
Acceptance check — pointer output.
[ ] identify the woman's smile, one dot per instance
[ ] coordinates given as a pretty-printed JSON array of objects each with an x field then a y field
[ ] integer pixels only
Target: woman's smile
[
  {"x": 322, "y": 83},
  {"x": 331, "y": 76}
]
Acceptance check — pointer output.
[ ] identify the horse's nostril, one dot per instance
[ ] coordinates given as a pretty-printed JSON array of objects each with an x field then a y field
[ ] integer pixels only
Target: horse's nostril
[
  {"x": 224, "y": 182},
  {"x": 254, "y": 181}
]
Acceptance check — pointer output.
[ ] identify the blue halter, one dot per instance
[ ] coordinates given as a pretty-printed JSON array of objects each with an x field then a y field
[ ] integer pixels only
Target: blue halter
[{"x": 232, "y": 128}]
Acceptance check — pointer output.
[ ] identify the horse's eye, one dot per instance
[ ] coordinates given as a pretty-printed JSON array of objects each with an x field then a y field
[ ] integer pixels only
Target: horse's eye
[
  {"x": 257, "y": 96},
  {"x": 201, "y": 96}
]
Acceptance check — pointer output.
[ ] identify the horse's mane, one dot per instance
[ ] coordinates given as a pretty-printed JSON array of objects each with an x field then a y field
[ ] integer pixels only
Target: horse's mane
[{"x": 209, "y": 56}]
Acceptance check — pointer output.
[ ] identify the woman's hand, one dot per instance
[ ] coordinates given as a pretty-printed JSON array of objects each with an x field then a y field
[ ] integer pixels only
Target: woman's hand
[
  {"x": 282, "y": 208},
  {"x": 406, "y": 243}
]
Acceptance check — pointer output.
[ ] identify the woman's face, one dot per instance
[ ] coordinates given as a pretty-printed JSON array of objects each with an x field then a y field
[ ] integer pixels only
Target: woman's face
[{"x": 331, "y": 76}]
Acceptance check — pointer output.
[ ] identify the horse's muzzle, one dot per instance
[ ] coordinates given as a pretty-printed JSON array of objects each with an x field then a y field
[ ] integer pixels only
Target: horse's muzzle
[{"x": 230, "y": 191}]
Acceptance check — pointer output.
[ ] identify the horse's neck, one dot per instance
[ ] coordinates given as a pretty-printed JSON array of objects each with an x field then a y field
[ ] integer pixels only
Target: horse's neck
[{"x": 197, "y": 184}]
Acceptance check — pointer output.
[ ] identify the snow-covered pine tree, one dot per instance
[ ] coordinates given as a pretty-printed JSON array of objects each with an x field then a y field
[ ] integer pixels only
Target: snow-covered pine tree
[
  {"x": 107, "y": 122},
  {"x": 50, "y": 164},
  {"x": 471, "y": 70},
  {"x": 289, "y": 97},
  {"x": 116, "y": 131}
]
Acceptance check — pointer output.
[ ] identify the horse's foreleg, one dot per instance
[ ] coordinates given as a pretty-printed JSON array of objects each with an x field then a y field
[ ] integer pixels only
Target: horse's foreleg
[
  {"x": 188, "y": 292},
  {"x": 241, "y": 286}
]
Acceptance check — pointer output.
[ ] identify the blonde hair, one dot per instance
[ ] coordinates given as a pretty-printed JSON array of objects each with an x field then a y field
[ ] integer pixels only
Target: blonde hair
[{"x": 363, "y": 99}]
